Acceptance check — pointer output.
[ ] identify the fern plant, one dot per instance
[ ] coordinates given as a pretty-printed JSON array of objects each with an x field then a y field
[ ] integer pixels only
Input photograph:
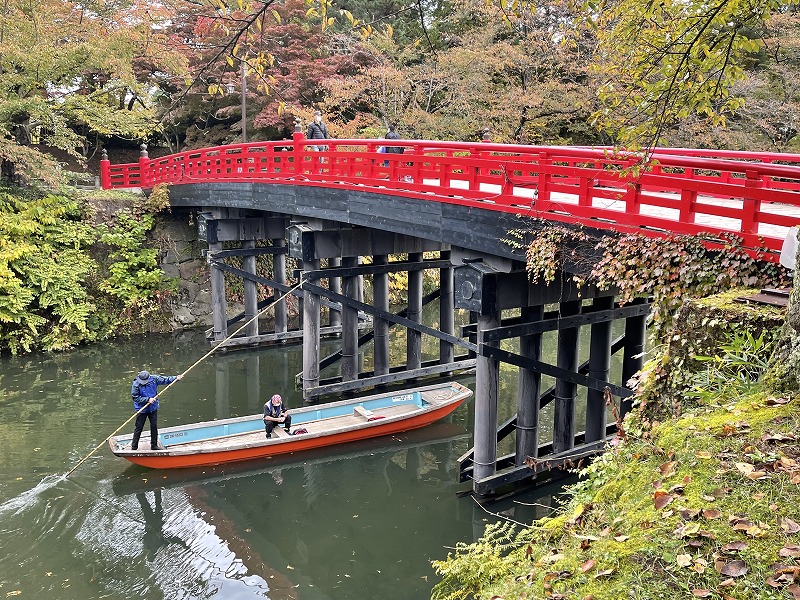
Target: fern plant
[{"x": 736, "y": 369}]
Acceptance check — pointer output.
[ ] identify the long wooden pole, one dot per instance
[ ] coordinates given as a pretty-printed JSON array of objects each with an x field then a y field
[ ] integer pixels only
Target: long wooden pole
[{"x": 197, "y": 362}]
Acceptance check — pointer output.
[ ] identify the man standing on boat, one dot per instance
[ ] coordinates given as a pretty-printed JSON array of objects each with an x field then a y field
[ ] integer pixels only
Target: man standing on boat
[
  {"x": 144, "y": 392},
  {"x": 274, "y": 413}
]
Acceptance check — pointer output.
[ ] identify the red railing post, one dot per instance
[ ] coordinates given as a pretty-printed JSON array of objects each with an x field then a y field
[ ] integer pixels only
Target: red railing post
[
  {"x": 750, "y": 205},
  {"x": 543, "y": 187},
  {"x": 144, "y": 167},
  {"x": 105, "y": 170},
  {"x": 298, "y": 149}
]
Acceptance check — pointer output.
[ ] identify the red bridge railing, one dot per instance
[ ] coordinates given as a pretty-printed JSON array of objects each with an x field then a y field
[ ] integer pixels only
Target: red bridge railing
[{"x": 755, "y": 196}]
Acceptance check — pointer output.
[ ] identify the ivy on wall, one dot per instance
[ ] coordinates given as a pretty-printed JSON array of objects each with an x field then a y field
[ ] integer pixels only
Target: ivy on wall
[{"x": 670, "y": 268}]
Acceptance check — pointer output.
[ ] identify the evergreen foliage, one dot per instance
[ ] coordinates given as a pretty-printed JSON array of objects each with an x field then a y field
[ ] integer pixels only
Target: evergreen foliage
[{"x": 54, "y": 290}]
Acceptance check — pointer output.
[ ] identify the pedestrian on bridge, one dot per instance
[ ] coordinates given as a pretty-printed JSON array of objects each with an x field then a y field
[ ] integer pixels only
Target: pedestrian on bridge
[{"x": 318, "y": 131}]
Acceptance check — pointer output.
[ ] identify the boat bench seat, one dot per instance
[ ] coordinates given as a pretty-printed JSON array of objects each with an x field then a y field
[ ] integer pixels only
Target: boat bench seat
[{"x": 366, "y": 413}]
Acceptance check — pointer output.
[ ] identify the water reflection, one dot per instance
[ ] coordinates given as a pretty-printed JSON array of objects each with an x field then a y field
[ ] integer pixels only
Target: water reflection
[{"x": 356, "y": 521}]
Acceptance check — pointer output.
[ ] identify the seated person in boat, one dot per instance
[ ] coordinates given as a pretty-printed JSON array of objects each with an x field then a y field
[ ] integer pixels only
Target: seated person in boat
[
  {"x": 144, "y": 392},
  {"x": 275, "y": 412}
]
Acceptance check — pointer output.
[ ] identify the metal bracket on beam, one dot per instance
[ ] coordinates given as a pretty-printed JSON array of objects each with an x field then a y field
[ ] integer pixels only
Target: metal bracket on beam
[{"x": 472, "y": 289}]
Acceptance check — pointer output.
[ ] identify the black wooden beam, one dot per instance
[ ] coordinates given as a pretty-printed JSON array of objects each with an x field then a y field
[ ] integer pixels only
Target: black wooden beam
[
  {"x": 366, "y": 374},
  {"x": 563, "y": 461},
  {"x": 391, "y": 267},
  {"x": 544, "y": 399},
  {"x": 337, "y": 388},
  {"x": 387, "y": 316},
  {"x": 586, "y": 318},
  {"x": 270, "y": 283},
  {"x": 553, "y": 371},
  {"x": 220, "y": 254}
]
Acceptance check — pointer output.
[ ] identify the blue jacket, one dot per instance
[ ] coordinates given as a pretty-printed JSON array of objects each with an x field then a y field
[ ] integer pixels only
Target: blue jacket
[{"x": 142, "y": 392}]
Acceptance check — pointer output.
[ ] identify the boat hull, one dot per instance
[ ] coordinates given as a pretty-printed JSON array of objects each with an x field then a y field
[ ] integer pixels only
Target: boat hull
[{"x": 233, "y": 452}]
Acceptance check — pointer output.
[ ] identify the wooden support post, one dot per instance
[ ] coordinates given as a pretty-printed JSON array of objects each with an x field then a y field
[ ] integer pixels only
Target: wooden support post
[
  {"x": 311, "y": 319},
  {"x": 566, "y": 392},
  {"x": 380, "y": 287},
  {"x": 250, "y": 290},
  {"x": 350, "y": 325},
  {"x": 414, "y": 338},
  {"x": 335, "y": 285},
  {"x": 446, "y": 310},
  {"x": 487, "y": 376},
  {"x": 633, "y": 353},
  {"x": 528, "y": 390},
  {"x": 219, "y": 306},
  {"x": 279, "y": 275},
  {"x": 599, "y": 366}
]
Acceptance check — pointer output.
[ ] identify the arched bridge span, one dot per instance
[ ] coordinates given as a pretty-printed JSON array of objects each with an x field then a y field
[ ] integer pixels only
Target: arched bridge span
[{"x": 755, "y": 196}]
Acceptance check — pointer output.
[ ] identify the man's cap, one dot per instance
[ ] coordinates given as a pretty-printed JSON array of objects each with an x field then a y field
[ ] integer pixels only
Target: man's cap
[
  {"x": 317, "y": 112},
  {"x": 276, "y": 397},
  {"x": 144, "y": 376}
]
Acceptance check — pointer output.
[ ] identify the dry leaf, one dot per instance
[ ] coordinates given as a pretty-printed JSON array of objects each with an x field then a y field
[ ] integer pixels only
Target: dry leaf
[
  {"x": 698, "y": 593},
  {"x": 734, "y": 547},
  {"x": 603, "y": 573},
  {"x": 790, "y": 551},
  {"x": 712, "y": 513},
  {"x": 588, "y": 566},
  {"x": 788, "y": 525},
  {"x": 621, "y": 538},
  {"x": 794, "y": 590},
  {"x": 551, "y": 558},
  {"x": 727, "y": 582},
  {"x": 733, "y": 568},
  {"x": 757, "y": 475},
  {"x": 662, "y": 499},
  {"x": 690, "y": 513},
  {"x": 776, "y": 401},
  {"x": 667, "y": 469},
  {"x": 703, "y": 454},
  {"x": 745, "y": 468},
  {"x": 683, "y": 560}
]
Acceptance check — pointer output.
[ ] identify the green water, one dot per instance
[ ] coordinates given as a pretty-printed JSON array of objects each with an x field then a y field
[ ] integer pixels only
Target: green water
[{"x": 359, "y": 521}]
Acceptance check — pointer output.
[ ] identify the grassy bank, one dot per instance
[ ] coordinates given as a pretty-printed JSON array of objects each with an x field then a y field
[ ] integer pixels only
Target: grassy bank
[{"x": 698, "y": 500}]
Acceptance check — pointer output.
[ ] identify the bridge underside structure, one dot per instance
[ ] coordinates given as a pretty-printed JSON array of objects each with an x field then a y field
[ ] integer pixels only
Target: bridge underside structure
[
  {"x": 359, "y": 247},
  {"x": 350, "y": 215}
]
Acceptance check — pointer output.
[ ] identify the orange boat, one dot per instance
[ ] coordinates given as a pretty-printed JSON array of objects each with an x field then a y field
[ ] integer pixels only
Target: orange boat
[{"x": 243, "y": 438}]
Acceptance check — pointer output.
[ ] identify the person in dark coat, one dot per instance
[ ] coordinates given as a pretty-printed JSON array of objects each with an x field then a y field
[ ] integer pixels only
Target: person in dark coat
[
  {"x": 144, "y": 393},
  {"x": 274, "y": 413},
  {"x": 391, "y": 134},
  {"x": 317, "y": 130}
]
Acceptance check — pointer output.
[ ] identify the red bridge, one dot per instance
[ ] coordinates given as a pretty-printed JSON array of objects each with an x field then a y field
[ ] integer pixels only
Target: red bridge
[
  {"x": 755, "y": 196},
  {"x": 328, "y": 209}
]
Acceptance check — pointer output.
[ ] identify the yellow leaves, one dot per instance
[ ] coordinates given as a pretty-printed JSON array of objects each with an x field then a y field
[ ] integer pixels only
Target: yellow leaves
[
  {"x": 276, "y": 15},
  {"x": 216, "y": 90}
]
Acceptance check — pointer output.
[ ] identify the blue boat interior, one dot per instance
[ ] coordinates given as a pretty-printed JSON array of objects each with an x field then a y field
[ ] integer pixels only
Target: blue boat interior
[{"x": 193, "y": 433}]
